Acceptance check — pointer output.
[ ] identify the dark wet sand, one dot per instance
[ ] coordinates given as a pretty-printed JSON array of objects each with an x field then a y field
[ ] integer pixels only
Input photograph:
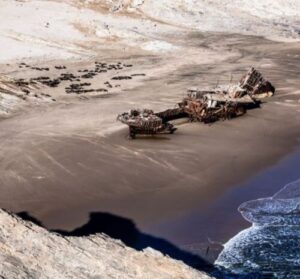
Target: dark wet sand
[
  {"x": 62, "y": 162},
  {"x": 214, "y": 224}
]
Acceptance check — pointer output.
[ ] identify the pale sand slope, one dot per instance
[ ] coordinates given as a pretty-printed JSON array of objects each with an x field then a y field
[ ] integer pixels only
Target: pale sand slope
[
  {"x": 78, "y": 28},
  {"x": 28, "y": 251},
  {"x": 275, "y": 19}
]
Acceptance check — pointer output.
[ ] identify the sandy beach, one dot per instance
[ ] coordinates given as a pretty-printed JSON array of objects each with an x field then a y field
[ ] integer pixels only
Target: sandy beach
[
  {"x": 63, "y": 160},
  {"x": 67, "y": 157}
]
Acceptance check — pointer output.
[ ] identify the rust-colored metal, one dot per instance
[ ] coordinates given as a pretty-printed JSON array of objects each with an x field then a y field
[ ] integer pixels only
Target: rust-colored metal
[
  {"x": 203, "y": 106},
  {"x": 145, "y": 122},
  {"x": 255, "y": 85}
]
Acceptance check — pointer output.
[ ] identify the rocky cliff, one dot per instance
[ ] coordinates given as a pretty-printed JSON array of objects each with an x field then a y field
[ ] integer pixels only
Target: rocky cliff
[{"x": 29, "y": 251}]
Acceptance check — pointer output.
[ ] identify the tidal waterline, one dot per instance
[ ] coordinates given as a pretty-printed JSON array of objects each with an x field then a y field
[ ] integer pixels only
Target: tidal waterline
[{"x": 205, "y": 230}]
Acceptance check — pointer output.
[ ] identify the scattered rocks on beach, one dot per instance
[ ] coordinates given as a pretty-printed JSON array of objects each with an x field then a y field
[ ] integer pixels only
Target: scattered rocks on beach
[
  {"x": 108, "y": 84},
  {"x": 76, "y": 80},
  {"x": 60, "y": 67},
  {"x": 138, "y": 75},
  {"x": 46, "y": 81},
  {"x": 101, "y": 90},
  {"x": 67, "y": 77},
  {"x": 40, "y": 69},
  {"x": 79, "y": 88},
  {"x": 21, "y": 82},
  {"x": 121, "y": 78},
  {"x": 89, "y": 75},
  {"x": 13, "y": 93}
]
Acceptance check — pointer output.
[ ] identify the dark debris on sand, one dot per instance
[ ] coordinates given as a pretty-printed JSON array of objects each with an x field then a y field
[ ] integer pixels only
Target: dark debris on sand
[{"x": 76, "y": 86}]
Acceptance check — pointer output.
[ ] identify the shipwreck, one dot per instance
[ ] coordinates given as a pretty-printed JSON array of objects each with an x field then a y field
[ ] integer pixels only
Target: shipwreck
[
  {"x": 205, "y": 106},
  {"x": 145, "y": 122}
]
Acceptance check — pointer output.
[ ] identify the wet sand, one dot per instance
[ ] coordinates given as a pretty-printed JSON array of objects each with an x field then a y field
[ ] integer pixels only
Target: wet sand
[
  {"x": 61, "y": 162},
  {"x": 201, "y": 229}
]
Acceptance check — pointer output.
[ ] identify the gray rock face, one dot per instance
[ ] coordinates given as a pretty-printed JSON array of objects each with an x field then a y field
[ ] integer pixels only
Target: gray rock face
[{"x": 29, "y": 251}]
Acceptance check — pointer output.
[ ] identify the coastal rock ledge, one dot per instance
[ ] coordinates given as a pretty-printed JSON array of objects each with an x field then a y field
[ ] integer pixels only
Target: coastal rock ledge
[{"x": 30, "y": 251}]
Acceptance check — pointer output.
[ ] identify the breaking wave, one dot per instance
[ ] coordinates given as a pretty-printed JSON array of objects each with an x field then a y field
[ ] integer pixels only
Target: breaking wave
[{"x": 270, "y": 248}]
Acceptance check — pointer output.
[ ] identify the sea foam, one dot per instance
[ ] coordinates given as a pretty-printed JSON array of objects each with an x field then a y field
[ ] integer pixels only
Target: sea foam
[{"x": 271, "y": 246}]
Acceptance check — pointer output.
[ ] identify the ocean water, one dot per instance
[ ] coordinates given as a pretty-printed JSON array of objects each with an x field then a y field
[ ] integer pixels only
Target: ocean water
[{"x": 270, "y": 248}]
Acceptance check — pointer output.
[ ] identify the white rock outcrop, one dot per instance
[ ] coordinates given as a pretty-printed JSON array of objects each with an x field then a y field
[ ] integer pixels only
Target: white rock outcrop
[
  {"x": 72, "y": 29},
  {"x": 29, "y": 251}
]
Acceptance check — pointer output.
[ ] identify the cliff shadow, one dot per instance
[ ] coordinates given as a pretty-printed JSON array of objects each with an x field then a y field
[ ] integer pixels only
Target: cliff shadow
[{"x": 125, "y": 230}]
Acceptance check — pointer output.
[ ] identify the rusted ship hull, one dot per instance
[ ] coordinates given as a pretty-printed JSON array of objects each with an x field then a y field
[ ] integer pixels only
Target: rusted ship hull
[
  {"x": 146, "y": 122},
  {"x": 203, "y": 106}
]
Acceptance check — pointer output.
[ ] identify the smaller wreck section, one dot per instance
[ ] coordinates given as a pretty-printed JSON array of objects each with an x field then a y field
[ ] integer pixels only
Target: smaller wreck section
[
  {"x": 254, "y": 84},
  {"x": 145, "y": 122},
  {"x": 203, "y": 106}
]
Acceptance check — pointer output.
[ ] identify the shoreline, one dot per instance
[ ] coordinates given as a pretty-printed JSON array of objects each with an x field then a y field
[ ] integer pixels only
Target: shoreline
[
  {"x": 61, "y": 162},
  {"x": 274, "y": 225},
  {"x": 263, "y": 184},
  {"x": 69, "y": 218}
]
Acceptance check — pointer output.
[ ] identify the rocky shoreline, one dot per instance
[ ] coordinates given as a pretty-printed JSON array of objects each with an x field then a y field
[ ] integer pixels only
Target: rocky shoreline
[{"x": 30, "y": 251}]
